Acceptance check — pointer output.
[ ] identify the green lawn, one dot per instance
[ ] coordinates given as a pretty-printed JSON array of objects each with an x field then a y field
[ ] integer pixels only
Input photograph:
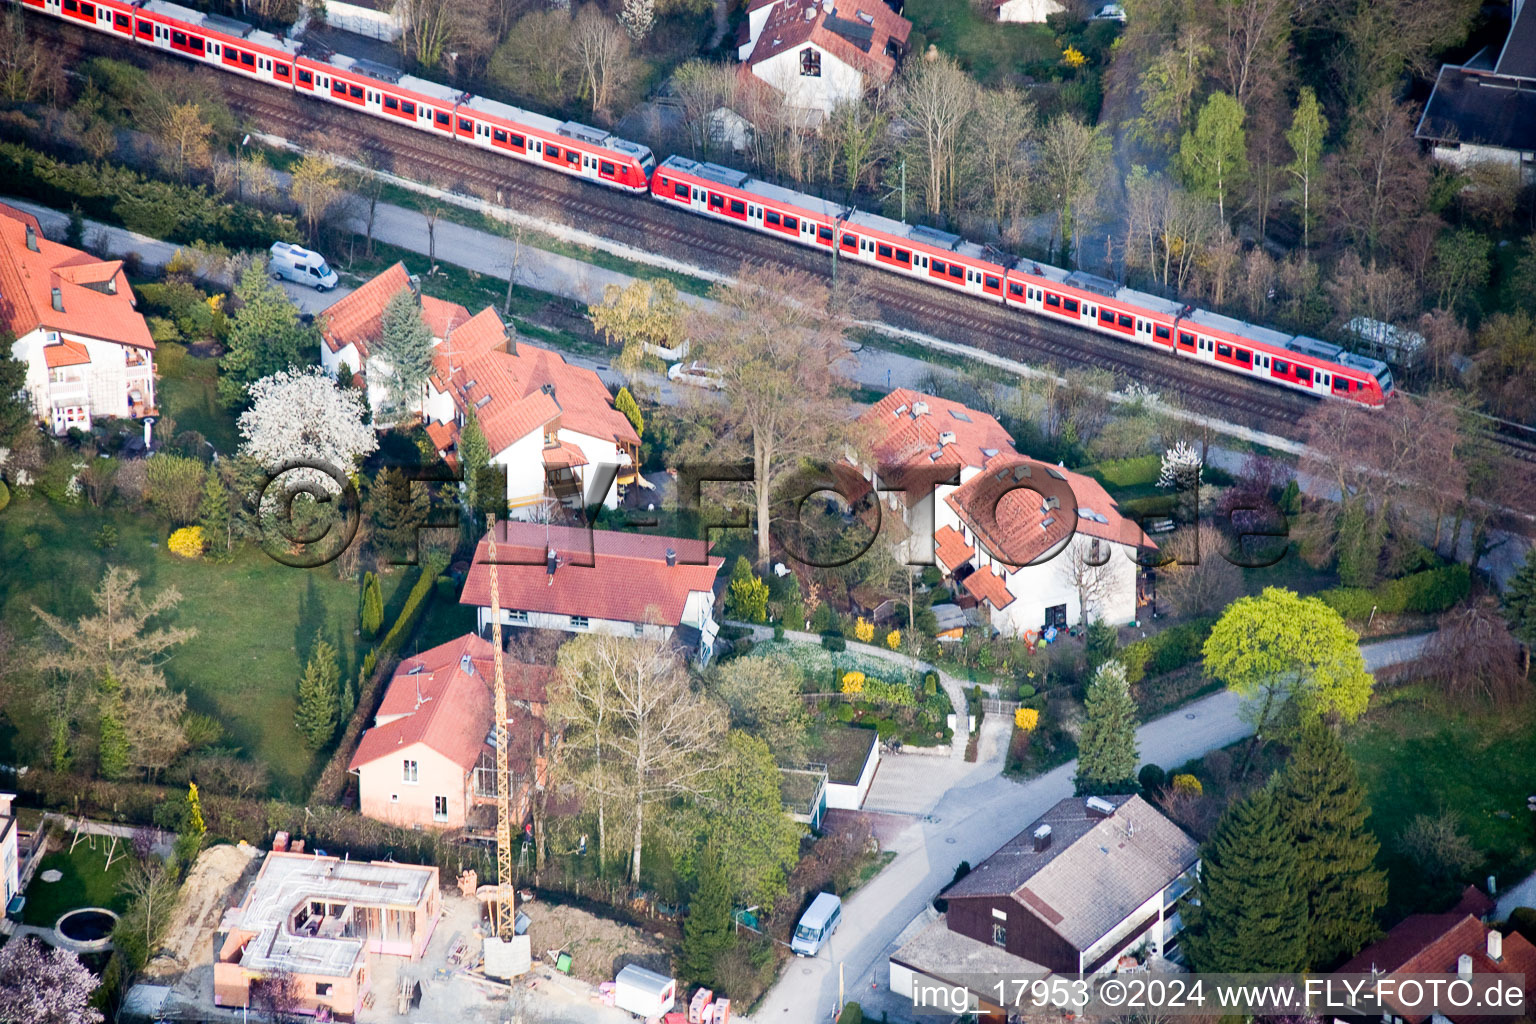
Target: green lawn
[
  {"x": 191, "y": 399},
  {"x": 86, "y": 882},
  {"x": 990, "y": 51},
  {"x": 256, "y": 619},
  {"x": 1418, "y": 757}
]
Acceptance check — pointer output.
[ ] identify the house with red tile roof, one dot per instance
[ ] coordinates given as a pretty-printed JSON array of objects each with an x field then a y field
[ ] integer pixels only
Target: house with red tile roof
[
  {"x": 551, "y": 425},
  {"x": 598, "y": 581},
  {"x": 819, "y": 54},
  {"x": 429, "y": 760},
  {"x": 1027, "y": 545},
  {"x": 88, "y": 352},
  {"x": 1453, "y": 943}
]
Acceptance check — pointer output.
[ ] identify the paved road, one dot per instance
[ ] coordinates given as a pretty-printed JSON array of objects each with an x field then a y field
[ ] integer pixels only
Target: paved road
[{"x": 968, "y": 811}]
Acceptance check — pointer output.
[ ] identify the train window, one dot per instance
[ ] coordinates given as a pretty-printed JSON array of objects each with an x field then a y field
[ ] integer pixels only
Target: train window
[
  {"x": 1186, "y": 339},
  {"x": 1243, "y": 356},
  {"x": 940, "y": 267},
  {"x": 738, "y": 207},
  {"x": 1107, "y": 316},
  {"x": 466, "y": 125},
  {"x": 1015, "y": 289},
  {"x": 443, "y": 118},
  {"x": 884, "y": 250},
  {"x": 1052, "y": 300},
  {"x": 1125, "y": 321},
  {"x": 356, "y": 91},
  {"x": 680, "y": 190},
  {"x": 607, "y": 168},
  {"x": 824, "y": 233},
  {"x": 71, "y": 5},
  {"x": 407, "y": 107},
  {"x": 282, "y": 69},
  {"x": 902, "y": 256},
  {"x": 1224, "y": 350},
  {"x": 1304, "y": 374},
  {"x": 993, "y": 282},
  {"x": 339, "y": 87},
  {"x": 1322, "y": 378},
  {"x": 179, "y": 38},
  {"x": 791, "y": 223},
  {"x": 89, "y": 10},
  {"x": 305, "y": 78},
  {"x": 123, "y": 21},
  {"x": 1281, "y": 366},
  {"x": 390, "y": 103},
  {"x": 248, "y": 59},
  {"x": 1162, "y": 332},
  {"x": 572, "y": 157},
  {"x": 1071, "y": 305},
  {"x": 773, "y": 218},
  {"x": 715, "y": 199},
  {"x": 850, "y": 240},
  {"x": 145, "y": 28},
  {"x": 957, "y": 272}
]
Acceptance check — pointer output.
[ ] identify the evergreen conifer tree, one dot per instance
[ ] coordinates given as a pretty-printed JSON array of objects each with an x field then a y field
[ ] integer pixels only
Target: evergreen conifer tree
[
  {"x": 707, "y": 930},
  {"x": 1323, "y": 806},
  {"x": 474, "y": 458},
  {"x": 398, "y": 511},
  {"x": 112, "y": 748},
  {"x": 315, "y": 716},
  {"x": 213, "y": 513},
  {"x": 373, "y": 606},
  {"x": 626, "y": 404},
  {"x": 1519, "y": 602},
  {"x": 1107, "y": 755},
  {"x": 265, "y": 336},
  {"x": 1248, "y": 918},
  {"x": 405, "y": 344},
  {"x": 747, "y": 597}
]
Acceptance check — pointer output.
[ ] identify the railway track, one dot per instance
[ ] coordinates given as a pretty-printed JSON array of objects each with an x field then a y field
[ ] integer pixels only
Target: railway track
[{"x": 638, "y": 221}]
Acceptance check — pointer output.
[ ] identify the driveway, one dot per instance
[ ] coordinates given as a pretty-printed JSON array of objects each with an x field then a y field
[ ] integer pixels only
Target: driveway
[{"x": 965, "y": 812}]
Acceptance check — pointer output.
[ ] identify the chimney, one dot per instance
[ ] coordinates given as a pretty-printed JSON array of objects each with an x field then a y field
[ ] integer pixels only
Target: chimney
[
  {"x": 1042, "y": 838},
  {"x": 1464, "y": 966},
  {"x": 671, "y": 558},
  {"x": 947, "y": 437},
  {"x": 58, "y": 301},
  {"x": 919, "y": 409},
  {"x": 465, "y": 665},
  {"x": 1099, "y": 808},
  {"x": 1495, "y": 945},
  {"x": 32, "y": 238}
]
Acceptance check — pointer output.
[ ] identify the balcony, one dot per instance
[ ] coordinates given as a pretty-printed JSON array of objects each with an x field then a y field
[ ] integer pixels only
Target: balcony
[{"x": 68, "y": 391}]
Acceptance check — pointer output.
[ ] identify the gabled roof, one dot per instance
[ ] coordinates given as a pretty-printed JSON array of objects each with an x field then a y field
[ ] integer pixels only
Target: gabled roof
[
  {"x": 908, "y": 427},
  {"x": 1094, "y": 872},
  {"x": 442, "y": 698},
  {"x": 94, "y": 294},
  {"x": 601, "y": 574},
  {"x": 357, "y": 318},
  {"x": 1017, "y": 524},
  {"x": 1518, "y": 58},
  {"x": 856, "y": 33},
  {"x": 65, "y": 353},
  {"x": 1480, "y": 109},
  {"x": 1433, "y": 944}
]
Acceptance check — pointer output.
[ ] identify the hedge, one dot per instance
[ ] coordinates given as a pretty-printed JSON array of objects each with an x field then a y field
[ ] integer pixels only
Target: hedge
[
  {"x": 118, "y": 195},
  {"x": 1167, "y": 651},
  {"x": 1423, "y": 593},
  {"x": 410, "y": 614}
]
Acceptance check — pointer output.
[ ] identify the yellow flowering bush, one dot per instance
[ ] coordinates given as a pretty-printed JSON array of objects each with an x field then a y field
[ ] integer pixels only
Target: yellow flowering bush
[
  {"x": 863, "y": 631},
  {"x": 853, "y": 682},
  {"x": 1072, "y": 57},
  {"x": 1188, "y": 784},
  {"x": 1026, "y": 718},
  {"x": 187, "y": 542},
  {"x": 893, "y": 639}
]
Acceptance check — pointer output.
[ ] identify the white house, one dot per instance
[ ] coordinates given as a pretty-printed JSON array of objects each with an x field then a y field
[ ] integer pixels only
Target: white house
[
  {"x": 551, "y": 425},
  {"x": 818, "y": 55},
  {"x": 1028, "y": 543},
  {"x": 10, "y": 862},
  {"x": 1026, "y": 10},
  {"x": 88, "y": 352},
  {"x": 598, "y": 581}
]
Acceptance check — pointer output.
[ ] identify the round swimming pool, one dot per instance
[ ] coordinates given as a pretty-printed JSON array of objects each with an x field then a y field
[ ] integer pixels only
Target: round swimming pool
[{"x": 86, "y": 930}]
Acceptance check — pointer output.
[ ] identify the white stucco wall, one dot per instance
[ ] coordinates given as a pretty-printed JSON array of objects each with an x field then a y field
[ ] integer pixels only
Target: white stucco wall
[
  {"x": 837, "y": 83},
  {"x": 100, "y": 386},
  {"x": 365, "y": 21},
  {"x": 844, "y": 797},
  {"x": 1466, "y": 154},
  {"x": 1027, "y": 10}
]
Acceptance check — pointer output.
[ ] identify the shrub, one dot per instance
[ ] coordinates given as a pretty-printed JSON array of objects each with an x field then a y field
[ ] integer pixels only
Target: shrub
[
  {"x": 930, "y": 683},
  {"x": 863, "y": 631},
  {"x": 896, "y": 694},
  {"x": 186, "y": 542},
  {"x": 1188, "y": 784},
  {"x": 833, "y": 641},
  {"x": 1352, "y": 603},
  {"x": 893, "y": 639},
  {"x": 844, "y": 713},
  {"x": 447, "y": 589},
  {"x": 5, "y": 496},
  {"x": 415, "y": 604},
  {"x": 853, "y": 682},
  {"x": 1167, "y": 651},
  {"x": 1423, "y": 593},
  {"x": 744, "y": 645},
  {"x": 1026, "y": 691},
  {"x": 1026, "y": 719},
  {"x": 778, "y": 631},
  {"x": 1152, "y": 779}
]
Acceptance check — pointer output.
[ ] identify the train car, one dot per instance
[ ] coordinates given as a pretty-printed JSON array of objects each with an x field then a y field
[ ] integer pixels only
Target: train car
[
  {"x": 567, "y": 146},
  {"x": 215, "y": 40}
]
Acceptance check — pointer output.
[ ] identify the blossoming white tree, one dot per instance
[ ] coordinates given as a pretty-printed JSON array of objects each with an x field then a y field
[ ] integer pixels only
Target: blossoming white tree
[
  {"x": 638, "y": 18},
  {"x": 1181, "y": 466},
  {"x": 45, "y": 985},
  {"x": 302, "y": 416}
]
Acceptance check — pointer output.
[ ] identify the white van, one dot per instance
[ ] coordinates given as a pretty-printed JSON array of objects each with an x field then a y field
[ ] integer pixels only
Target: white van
[
  {"x": 301, "y": 266},
  {"x": 817, "y": 925}
]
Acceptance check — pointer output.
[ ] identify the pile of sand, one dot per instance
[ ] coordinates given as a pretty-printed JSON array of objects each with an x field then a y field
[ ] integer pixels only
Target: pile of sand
[
  {"x": 598, "y": 947},
  {"x": 203, "y": 899}
]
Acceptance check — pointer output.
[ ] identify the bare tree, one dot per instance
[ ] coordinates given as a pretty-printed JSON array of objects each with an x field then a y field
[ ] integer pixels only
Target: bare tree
[
  {"x": 1197, "y": 580},
  {"x": 601, "y": 47},
  {"x": 1073, "y": 159},
  {"x": 1473, "y": 656},
  {"x": 1257, "y": 34},
  {"x": 934, "y": 99},
  {"x": 151, "y": 891},
  {"x": 998, "y": 165},
  {"x": 277, "y": 994},
  {"x": 315, "y": 185},
  {"x": 778, "y": 343},
  {"x": 27, "y": 69},
  {"x": 183, "y": 134},
  {"x": 1381, "y": 182},
  {"x": 1088, "y": 567}
]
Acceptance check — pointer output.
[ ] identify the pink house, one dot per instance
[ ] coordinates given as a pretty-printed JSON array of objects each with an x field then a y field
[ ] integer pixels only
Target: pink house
[
  {"x": 313, "y": 920},
  {"x": 429, "y": 760}
]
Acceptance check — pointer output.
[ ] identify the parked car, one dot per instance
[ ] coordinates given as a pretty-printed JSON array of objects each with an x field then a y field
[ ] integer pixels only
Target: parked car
[
  {"x": 302, "y": 266},
  {"x": 817, "y": 925},
  {"x": 697, "y": 374}
]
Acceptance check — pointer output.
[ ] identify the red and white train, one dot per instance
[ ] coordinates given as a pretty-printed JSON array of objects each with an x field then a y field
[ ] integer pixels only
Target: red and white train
[{"x": 710, "y": 190}]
